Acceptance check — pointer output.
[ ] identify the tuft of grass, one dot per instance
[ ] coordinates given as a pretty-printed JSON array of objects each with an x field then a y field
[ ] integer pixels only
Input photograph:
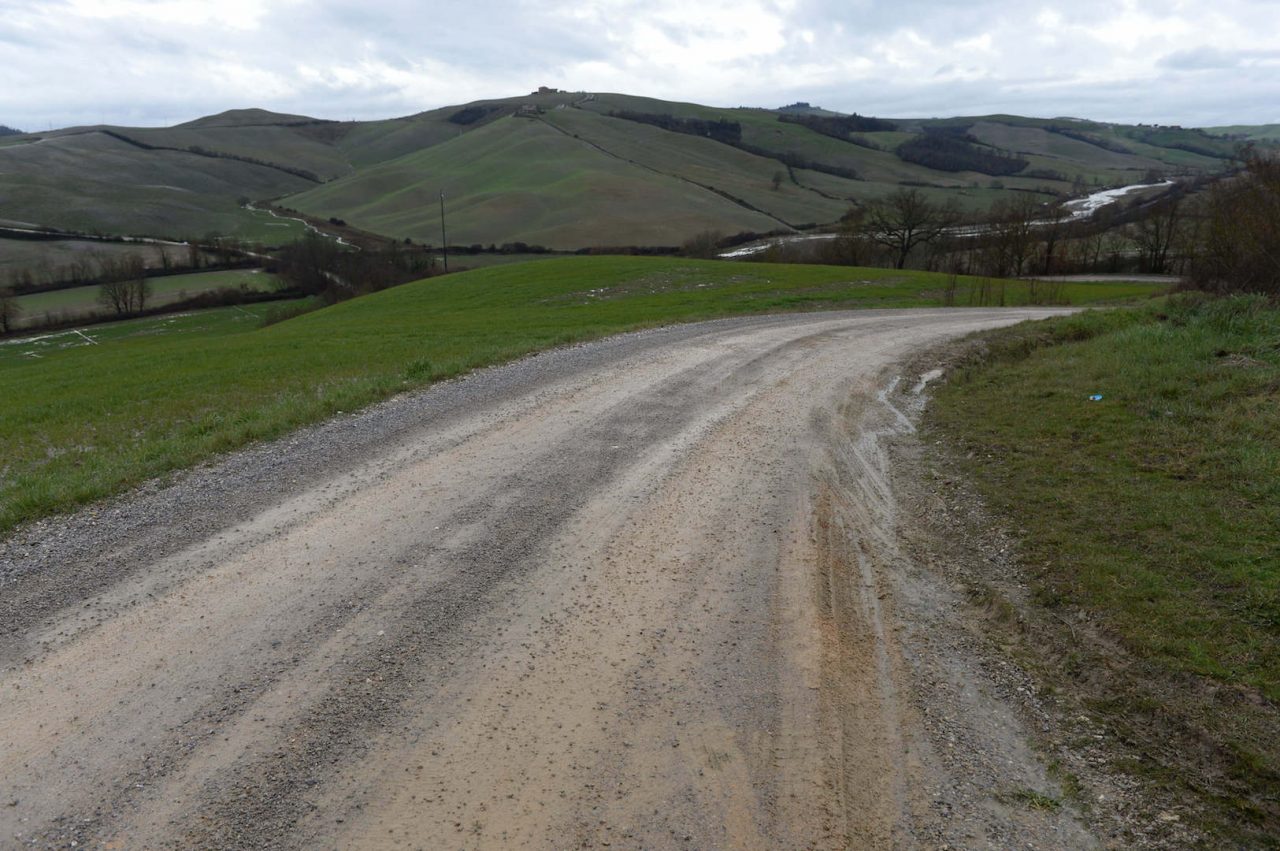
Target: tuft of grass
[
  {"x": 1069, "y": 781},
  {"x": 1032, "y": 799}
]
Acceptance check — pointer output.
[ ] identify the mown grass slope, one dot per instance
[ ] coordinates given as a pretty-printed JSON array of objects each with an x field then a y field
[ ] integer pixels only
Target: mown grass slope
[
  {"x": 95, "y": 183},
  {"x": 308, "y": 147},
  {"x": 80, "y": 423},
  {"x": 521, "y": 180},
  {"x": 745, "y": 176},
  {"x": 1259, "y": 133}
]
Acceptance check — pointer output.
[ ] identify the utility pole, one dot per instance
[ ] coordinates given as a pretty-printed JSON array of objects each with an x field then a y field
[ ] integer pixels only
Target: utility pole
[{"x": 444, "y": 239}]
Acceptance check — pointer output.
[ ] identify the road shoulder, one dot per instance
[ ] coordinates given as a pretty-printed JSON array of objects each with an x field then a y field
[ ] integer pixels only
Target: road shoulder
[{"x": 983, "y": 656}]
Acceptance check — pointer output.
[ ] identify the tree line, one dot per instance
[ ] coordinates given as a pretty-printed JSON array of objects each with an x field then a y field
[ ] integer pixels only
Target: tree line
[
  {"x": 838, "y": 126},
  {"x": 719, "y": 129},
  {"x": 1089, "y": 138},
  {"x": 318, "y": 266},
  {"x": 98, "y": 266},
  {"x": 1221, "y": 236},
  {"x": 471, "y": 114},
  {"x": 1239, "y": 245},
  {"x": 730, "y": 133},
  {"x": 201, "y": 151},
  {"x": 948, "y": 149}
]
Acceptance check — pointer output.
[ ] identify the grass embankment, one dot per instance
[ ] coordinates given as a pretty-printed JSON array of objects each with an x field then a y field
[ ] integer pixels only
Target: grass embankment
[
  {"x": 81, "y": 423},
  {"x": 1151, "y": 521}
]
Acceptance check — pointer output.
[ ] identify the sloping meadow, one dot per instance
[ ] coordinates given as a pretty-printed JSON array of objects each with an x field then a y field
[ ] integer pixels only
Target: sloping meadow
[{"x": 83, "y": 422}]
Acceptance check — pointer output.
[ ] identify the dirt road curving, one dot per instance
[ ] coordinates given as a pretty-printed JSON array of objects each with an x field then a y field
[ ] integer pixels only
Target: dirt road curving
[{"x": 639, "y": 594}]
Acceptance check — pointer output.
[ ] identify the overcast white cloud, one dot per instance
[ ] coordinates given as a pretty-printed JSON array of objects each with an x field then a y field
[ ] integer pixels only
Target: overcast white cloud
[{"x": 151, "y": 62}]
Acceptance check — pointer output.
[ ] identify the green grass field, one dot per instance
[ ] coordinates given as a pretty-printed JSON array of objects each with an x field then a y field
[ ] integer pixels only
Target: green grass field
[
  {"x": 519, "y": 179},
  {"x": 1153, "y": 517},
  {"x": 94, "y": 183},
  {"x": 291, "y": 147},
  {"x": 1262, "y": 133},
  {"x": 77, "y": 301},
  {"x": 707, "y": 163},
  {"x": 191, "y": 326},
  {"x": 83, "y": 421}
]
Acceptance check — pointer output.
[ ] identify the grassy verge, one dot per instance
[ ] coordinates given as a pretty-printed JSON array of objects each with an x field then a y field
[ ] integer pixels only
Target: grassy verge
[
  {"x": 1150, "y": 519},
  {"x": 83, "y": 421}
]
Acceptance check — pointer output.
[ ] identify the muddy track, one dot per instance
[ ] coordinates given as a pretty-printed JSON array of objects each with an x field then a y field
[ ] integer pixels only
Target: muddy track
[{"x": 638, "y": 594}]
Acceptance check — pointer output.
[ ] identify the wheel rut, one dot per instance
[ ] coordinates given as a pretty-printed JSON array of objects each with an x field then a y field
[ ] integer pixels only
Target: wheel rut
[{"x": 638, "y": 594}]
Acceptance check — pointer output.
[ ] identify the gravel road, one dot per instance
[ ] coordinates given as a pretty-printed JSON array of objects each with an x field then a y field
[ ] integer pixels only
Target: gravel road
[{"x": 641, "y": 593}]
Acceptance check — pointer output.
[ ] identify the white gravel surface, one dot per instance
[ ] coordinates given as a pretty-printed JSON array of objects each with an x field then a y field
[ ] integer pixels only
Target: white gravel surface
[{"x": 643, "y": 593}]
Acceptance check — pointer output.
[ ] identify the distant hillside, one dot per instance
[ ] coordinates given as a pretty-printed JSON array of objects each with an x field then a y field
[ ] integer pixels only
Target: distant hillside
[
  {"x": 524, "y": 180},
  {"x": 250, "y": 118},
  {"x": 567, "y": 169},
  {"x": 1245, "y": 133},
  {"x": 9, "y": 131}
]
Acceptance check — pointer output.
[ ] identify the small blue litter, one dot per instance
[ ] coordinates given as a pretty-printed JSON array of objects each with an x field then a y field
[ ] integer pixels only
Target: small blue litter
[{"x": 1096, "y": 397}]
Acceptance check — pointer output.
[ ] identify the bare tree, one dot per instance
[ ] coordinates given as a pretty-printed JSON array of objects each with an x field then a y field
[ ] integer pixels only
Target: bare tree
[
  {"x": 1241, "y": 244},
  {"x": 1089, "y": 250},
  {"x": 1155, "y": 234},
  {"x": 850, "y": 246},
  {"x": 124, "y": 287},
  {"x": 9, "y": 309},
  {"x": 1012, "y": 237},
  {"x": 905, "y": 220},
  {"x": 1054, "y": 227},
  {"x": 704, "y": 244}
]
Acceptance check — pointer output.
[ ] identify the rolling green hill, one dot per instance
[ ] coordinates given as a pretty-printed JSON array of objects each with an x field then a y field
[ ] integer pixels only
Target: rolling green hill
[
  {"x": 92, "y": 181},
  {"x": 1245, "y": 133},
  {"x": 157, "y": 394},
  {"x": 567, "y": 170},
  {"x": 822, "y": 174},
  {"x": 521, "y": 179}
]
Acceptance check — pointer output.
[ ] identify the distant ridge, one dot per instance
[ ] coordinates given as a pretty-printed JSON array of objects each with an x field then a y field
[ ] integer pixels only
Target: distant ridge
[
  {"x": 252, "y": 118},
  {"x": 9, "y": 131},
  {"x": 571, "y": 170},
  {"x": 801, "y": 107}
]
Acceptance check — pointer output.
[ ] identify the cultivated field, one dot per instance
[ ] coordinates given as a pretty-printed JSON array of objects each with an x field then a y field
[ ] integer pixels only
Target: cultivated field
[
  {"x": 77, "y": 301},
  {"x": 44, "y": 258}
]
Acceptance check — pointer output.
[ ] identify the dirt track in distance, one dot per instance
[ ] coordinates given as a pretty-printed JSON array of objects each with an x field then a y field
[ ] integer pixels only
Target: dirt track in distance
[{"x": 642, "y": 593}]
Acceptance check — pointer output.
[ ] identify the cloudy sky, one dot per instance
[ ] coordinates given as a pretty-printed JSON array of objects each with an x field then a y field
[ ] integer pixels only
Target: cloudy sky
[{"x": 149, "y": 62}]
